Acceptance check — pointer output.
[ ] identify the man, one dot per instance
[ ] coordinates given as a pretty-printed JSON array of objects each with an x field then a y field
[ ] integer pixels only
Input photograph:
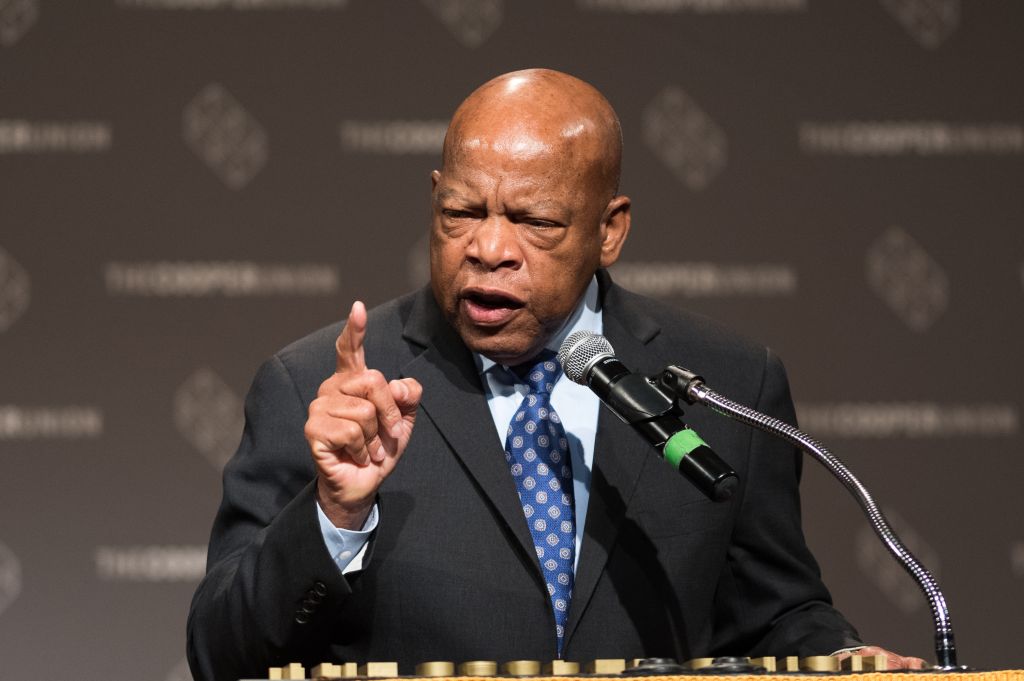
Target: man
[{"x": 412, "y": 533}]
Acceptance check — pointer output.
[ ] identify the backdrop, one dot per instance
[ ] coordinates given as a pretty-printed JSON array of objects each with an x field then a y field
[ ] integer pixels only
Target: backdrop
[{"x": 188, "y": 185}]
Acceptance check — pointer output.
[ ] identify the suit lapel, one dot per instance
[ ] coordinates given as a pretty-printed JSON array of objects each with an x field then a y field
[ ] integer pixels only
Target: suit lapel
[
  {"x": 453, "y": 400},
  {"x": 619, "y": 456}
]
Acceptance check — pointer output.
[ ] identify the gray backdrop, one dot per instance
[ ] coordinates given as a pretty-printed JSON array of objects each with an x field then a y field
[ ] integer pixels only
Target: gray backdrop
[{"x": 187, "y": 185}]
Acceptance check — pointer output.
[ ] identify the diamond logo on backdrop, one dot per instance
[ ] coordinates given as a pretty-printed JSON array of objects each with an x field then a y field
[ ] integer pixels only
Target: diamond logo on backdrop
[
  {"x": 209, "y": 415},
  {"x": 16, "y": 17},
  {"x": 930, "y": 22},
  {"x": 224, "y": 135},
  {"x": 14, "y": 290},
  {"x": 902, "y": 274},
  {"x": 1017, "y": 558},
  {"x": 684, "y": 137},
  {"x": 879, "y": 567},
  {"x": 471, "y": 21},
  {"x": 10, "y": 577}
]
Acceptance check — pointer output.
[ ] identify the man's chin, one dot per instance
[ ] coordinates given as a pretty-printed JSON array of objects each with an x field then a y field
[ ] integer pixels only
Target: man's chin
[{"x": 503, "y": 346}]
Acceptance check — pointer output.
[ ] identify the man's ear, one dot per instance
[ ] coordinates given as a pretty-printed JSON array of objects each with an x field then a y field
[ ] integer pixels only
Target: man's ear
[
  {"x": 435, "y": 177},
  {"x": 614, "y": 229}
]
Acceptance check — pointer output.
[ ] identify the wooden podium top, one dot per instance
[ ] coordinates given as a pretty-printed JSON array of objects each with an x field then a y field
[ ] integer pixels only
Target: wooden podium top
[{"x": 922, "y": 675}]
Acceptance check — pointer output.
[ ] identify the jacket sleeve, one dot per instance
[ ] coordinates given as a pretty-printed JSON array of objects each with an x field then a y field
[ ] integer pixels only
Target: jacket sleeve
[
  {"x": 770, "y": 599},
  {"x": 271, "y": 588}
]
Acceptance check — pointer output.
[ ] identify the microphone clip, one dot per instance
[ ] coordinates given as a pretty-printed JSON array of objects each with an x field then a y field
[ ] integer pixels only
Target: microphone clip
[
  {"x": 637, "y": 400},
  {"x": 681, "y": 382}
]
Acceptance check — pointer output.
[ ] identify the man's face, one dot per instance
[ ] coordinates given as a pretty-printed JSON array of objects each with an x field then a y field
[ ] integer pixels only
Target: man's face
[{"x": 519, "y": 228}]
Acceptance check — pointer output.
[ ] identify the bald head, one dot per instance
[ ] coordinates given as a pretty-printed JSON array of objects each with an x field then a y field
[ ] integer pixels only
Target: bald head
[{"x": 541, "y": 112}]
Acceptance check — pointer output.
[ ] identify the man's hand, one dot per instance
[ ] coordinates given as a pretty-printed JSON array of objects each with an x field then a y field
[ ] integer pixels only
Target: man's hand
[
  {"x": 358, "y": 426},
  {"x": 895, "y": 661}
]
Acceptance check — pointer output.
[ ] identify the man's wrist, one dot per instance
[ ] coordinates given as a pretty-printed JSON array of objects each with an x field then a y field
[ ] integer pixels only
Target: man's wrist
[
  {"x": 343, "y": 516},
  {"x": 347, "y": 548}
]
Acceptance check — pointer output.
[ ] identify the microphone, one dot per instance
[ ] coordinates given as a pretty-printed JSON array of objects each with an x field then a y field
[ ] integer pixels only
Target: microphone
[{"x": 588, "y": 359}]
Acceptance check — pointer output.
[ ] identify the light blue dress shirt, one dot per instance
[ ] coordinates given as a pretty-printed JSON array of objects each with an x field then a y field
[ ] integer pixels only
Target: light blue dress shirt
[{"x": 577, "y": 408}]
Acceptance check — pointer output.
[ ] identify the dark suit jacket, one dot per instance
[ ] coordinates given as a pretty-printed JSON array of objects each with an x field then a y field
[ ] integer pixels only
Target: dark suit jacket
[{"x": 452, "y": 573}]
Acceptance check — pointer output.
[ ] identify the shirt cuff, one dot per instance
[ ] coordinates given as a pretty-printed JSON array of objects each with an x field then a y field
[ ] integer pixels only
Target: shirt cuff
[{"x": 347, "y": 547}]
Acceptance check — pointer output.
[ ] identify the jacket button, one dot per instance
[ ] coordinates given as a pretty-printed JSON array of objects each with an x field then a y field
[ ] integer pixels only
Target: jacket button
[
  {"x": 320, "y": 588},
  {"x": 301, "y": 617}
]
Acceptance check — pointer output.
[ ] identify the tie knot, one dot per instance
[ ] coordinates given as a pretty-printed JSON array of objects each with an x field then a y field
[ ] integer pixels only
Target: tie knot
[{"x": 540, "y": 373}]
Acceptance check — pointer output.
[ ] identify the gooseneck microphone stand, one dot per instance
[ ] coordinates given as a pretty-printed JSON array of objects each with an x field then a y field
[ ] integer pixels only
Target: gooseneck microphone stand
[{"x": 690, "y": 387}]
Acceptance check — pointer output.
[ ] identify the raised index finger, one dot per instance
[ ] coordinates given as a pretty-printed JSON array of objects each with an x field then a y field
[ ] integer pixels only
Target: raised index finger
[{"x": 349, "y": 346}]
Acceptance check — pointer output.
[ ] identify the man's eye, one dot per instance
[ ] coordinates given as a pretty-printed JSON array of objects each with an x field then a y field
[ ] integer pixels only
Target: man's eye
[
  {"x": 456, "y": 214},
  {"x": 534, "y": 222}
]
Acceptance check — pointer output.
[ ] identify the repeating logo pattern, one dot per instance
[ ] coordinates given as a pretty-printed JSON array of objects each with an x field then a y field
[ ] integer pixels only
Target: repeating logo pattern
[
  {"x": 705, "y": 279},
  {"x": 929, "y": 21},
  {"x": 685, "y": 138},
  {"x": 394, "y": 138},
  {"x": 695, "y": 6},
  {"x": 16, "y": 18},
  {"x": 221, "y": 132},
  {"x": 902, "y": 274},
  {"x": 36, "y": 423},
  {"x": 10, "y": 577},
  {"x": 151, "y": 563},
  {"x": 19, "y": 136},
  {"x": 185, "y": 279},
  {"x": 88, "y": 222},
  {"x": 471, "y": 21},
  {"x": 239, "y": 5},
  {"x": 910, "y": 138},
  {"x": 15, "y": 290},
  {"x": 909, "y": 419},
  {"x": 878, "y": 566},
  {"x": 208, "y": 414}
]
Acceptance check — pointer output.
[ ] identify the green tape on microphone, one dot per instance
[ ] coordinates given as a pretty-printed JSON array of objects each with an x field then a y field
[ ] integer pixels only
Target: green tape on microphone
[{"x": 681, "y": 444}]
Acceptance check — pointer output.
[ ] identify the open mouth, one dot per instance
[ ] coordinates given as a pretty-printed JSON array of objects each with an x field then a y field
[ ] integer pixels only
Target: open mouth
[{"x": 489, "y": 306}]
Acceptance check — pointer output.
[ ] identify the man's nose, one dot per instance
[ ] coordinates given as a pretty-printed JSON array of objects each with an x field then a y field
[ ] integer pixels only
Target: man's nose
[{"x": 495, "y": 243}]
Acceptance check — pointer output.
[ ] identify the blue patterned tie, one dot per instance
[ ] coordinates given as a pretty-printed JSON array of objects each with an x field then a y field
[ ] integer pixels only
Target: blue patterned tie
[{"x": 538, "y": 456}]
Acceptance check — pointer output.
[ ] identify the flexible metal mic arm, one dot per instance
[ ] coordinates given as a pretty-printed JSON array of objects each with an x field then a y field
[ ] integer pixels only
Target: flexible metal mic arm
[{"x": 690, "y": 387}]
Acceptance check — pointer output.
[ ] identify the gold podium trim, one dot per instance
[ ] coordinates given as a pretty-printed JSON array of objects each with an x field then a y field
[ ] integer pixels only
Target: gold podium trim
[{"x": 994, "y": 675}]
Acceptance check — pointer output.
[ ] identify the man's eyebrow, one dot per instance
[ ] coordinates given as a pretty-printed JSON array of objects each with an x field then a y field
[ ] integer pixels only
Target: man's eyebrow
[
  {"x": 546, "y": 205},
  {"x": 534, "y": 206},
  {"x": 448, "y": 193}
]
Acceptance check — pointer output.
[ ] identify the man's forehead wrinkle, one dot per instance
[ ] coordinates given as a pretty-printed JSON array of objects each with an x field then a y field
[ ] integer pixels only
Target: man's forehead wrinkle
[
  {"x": 525, "y": 140},
  {"x": 473, "y": 184},
  {"x": 502, "y": 127},
  {"x": 519, "y": 145}
]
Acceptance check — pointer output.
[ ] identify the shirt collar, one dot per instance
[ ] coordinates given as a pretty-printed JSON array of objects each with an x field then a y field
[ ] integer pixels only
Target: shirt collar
[{"x": 586, "y": 317}]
